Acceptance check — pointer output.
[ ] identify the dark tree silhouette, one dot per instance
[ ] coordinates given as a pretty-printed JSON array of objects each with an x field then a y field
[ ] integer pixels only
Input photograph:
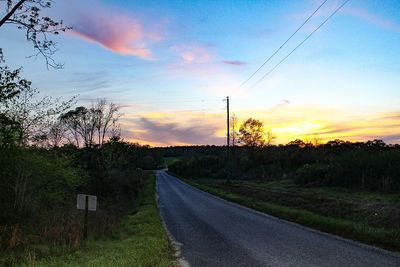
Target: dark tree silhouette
[
  {"x": 11, "y": 84},
  {"x": 25, "y": 14},
  {"x": 251, "y": 133},
  {"x": 85, "y": 123}
]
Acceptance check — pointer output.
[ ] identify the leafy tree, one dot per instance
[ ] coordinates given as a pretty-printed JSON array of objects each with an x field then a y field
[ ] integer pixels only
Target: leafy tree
[
  {"x": 10, "y": 132},
  {"x": 25, "y": 14},
  {"x": 252, "y": 133},
  {"x": 11, "y": 84}
]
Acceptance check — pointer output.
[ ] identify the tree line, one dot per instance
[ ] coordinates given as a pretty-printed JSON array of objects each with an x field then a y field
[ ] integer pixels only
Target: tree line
[{"x": 370, "y": 165}]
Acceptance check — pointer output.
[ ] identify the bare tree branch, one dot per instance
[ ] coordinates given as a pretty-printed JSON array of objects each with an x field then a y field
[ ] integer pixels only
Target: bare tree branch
[{"x": 25, "y": 14}]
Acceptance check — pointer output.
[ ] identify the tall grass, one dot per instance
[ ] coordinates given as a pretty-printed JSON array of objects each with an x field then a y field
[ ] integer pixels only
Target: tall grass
[{"x": 140, "y": 240}]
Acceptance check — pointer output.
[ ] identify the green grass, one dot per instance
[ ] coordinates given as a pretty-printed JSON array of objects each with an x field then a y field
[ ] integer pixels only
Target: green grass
[
  {"x": 140, "y": 241},
  {"x": 257, "y": 195}
]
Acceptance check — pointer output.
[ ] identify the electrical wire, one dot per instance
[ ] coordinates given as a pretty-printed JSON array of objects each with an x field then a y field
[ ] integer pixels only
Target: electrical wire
[
  {"x": 291, "y": 52},
  {"x": 287, "y": 40}
]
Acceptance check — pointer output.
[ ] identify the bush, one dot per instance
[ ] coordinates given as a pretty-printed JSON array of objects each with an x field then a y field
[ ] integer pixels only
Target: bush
[{"x": 312, "y": 174}]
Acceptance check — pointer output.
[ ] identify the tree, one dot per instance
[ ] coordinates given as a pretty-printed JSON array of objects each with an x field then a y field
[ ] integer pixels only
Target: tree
[
  {"x": 297, "y": 143},
  {"x": 270, "y": 137},
  {"x": 252, "y": 133},
  {"x": 233, "y": 130},
  {"x": 87, "y": 123},
  {"x": 106, "y": 117},
  {"x": 56, "y": 134},
  {"x": 81, "y": 124},
  {"x": 25, "y": 14},
  {"x": 10, "y": 132},
  {"x": 11, "y": 84},
  {"x": 34, "y": 114}
]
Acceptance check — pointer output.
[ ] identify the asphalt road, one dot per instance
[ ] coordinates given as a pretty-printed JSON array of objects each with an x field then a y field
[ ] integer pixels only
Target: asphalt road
[{"x": 214, "y": 232}]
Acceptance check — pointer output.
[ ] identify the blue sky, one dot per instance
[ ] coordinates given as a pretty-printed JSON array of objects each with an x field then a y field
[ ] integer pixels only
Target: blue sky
[{"x": 170, "y": 63}]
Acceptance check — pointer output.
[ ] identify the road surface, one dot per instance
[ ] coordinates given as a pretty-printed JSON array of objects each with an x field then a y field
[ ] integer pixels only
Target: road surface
[{"x": 214, "y": 232}]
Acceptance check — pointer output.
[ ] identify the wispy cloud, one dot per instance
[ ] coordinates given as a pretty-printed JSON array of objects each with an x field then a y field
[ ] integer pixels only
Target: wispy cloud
[
  {"x": 372, "y": 18},
  {"x": 121, "y": 35},
  {"x": 193, "y": 53},
  {"x": 234, "y": 62},
  {"x": 172, "y": 129}
]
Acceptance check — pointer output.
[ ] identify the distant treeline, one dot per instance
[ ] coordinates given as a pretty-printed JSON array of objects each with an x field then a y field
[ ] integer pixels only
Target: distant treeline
[{"x": 371, "y": 165}]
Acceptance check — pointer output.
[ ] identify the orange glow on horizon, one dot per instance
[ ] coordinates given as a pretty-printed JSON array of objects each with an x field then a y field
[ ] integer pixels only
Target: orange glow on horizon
[{"x": 315, "y": 124}]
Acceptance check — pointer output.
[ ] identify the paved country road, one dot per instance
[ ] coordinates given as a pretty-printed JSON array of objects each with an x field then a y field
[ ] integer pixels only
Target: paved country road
[{"x": 214, "y": 232}]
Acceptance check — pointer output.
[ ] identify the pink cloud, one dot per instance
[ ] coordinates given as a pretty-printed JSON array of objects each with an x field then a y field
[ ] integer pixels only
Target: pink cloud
[
  {"x": 193, "y": 53},
  {"x": 121, "y": 35},
  {"x": 118, "y": 30}
]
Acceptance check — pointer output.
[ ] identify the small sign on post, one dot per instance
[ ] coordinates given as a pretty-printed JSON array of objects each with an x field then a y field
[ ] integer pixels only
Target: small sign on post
[
  {"x": 86, "y": 202},
  {"x": 81, "y": 202}
]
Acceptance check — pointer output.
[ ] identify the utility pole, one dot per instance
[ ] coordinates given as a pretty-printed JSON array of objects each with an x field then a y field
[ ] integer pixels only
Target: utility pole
[
  {"x": 227, "y": 141},
  {"x": 227, "y": 122}
]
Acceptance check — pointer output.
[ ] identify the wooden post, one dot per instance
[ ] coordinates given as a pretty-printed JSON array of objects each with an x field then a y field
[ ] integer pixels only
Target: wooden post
[{"x": 85, "y": 227}]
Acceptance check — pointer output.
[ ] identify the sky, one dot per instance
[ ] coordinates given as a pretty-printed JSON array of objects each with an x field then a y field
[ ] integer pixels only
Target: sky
[{"x": 170, "y": 64}]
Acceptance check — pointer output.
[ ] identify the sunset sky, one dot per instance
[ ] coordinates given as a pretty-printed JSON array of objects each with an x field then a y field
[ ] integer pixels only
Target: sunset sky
[{"x": 169, "y": 64}]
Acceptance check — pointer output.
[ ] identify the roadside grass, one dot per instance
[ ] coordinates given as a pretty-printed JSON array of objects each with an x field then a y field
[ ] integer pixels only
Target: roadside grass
[
  {"x": 140, "y": 241},
  {"x": 289, "y": 202}
]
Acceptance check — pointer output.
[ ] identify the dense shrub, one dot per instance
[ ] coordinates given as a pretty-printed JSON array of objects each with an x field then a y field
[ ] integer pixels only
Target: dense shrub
[{"x": 312, "y": 174}]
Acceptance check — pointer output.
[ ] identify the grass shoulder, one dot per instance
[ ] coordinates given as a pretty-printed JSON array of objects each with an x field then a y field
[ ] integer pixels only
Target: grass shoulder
[
  {"x": 349, "y": 214},
  {"x": 140, "y": 241}
]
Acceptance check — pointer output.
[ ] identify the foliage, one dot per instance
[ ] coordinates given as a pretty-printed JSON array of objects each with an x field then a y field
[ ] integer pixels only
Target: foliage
[
  {"x": 252, "y": 133},
  {"x": 25, "y": 15},
  {"x": 11, "y": 84}
]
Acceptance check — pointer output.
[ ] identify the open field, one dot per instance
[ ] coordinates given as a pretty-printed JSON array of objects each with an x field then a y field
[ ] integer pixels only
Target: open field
[
  {"x": 368, "y": 217},
  {"x": 139, "y": 241}
]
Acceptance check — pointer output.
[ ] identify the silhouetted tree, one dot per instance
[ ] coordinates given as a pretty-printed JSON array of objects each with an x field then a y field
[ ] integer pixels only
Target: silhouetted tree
[
  {"x": 270, "y": 138},
  {"x": 297, "y": 143},
  {"x": 85, "y": 123},
  {"x": 233, "y": 130},
  {"x": 251, "y": 133},
  {"x": 106, "y": 117},
  {"x": 11, "y": 83}
]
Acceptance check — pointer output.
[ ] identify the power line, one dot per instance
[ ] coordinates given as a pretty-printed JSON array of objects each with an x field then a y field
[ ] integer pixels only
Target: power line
[
  {"x": 291, "y": 52},
  {"x": 276, "y": 51}
]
